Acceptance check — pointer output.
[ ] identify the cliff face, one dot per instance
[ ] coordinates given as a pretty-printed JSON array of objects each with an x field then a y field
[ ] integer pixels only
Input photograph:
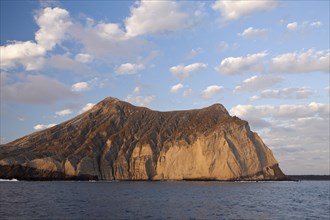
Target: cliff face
[{"x": 118, "y": 141}]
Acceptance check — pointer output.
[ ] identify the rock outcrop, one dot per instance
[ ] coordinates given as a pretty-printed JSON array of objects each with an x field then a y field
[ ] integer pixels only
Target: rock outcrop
[{"x": 118, "y": 141}]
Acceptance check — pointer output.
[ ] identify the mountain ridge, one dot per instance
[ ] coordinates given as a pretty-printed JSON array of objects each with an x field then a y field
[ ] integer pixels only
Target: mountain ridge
[{"x": 116, "y": 140}]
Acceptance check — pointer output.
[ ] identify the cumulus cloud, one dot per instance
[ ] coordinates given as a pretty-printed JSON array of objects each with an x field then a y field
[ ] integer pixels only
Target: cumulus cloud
[
  {"x": 256, "y": 83},
  {"x": 35, "y": 89},
  {"x": 42, "y": 126},
  {"x": 210, "y": 91},
  {"x": 233, "y": 10},
  {"x": 254, "y": 33},
  {"x": 129, "y": 68},
  {"x": 159, "y": 17},
  {"x": 64, "y": 112},
  {"x": 175, "y": 88},
  {"x": 80, "y": 86},
  {"x": 238, "y": 65},
  {"x": 303, "y": 62},
  {"x": 53, "y": 23},
  {"x": 181, "y": 72},
  {"x": 286, "y": 93},
  {"x": 296, "y": 132},
  {"x": 87, "y": 107}
]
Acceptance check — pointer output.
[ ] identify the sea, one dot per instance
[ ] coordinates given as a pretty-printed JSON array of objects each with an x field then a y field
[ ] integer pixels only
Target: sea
[{"x": 164, "y": 200}]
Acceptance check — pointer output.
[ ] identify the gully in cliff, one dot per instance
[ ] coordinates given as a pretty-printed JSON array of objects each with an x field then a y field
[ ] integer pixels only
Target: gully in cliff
[{"x": 118, "y": 141}]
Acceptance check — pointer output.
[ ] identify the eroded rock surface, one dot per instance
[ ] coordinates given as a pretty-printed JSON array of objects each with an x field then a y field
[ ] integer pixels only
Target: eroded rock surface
[{"x": 118, "y": 141}]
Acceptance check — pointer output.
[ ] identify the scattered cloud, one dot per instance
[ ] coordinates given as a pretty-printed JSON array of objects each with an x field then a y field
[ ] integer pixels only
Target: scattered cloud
[
  {"x": 64, "y": 112},
  {"x": 42, "y": 126},
  {"x": 80, "y": 86},
  {"x": 187, "y": 92},
  {"x": 175, "y": 88},
  {"x": 286, "y": 93},
  {"x": 150, "y": 17},
  {"x": 181, "y": 72},
  {"x": 292, "y": 131},
  {"x": 210, "y": 91},
  {"x": 53, "y": 23},
  {"x": 254, "y": 33},
  {"x": 303, "y": 62},
  {"x": 87, "y": 107},
  {"x": 129, "y": 68},
  {"x": 193, "y": 53},
  {"x": 286, "y": 111},
  {"x": 233, "y": 10},
  {"x": 256, "y": 83},
  {"x": 223, "y": 46},
  {"x": 293, "y": 26},
  {"x": 35, "y": 89},
  {"x": 141, "y": 100},
  {"x": 238, "y": 65}
]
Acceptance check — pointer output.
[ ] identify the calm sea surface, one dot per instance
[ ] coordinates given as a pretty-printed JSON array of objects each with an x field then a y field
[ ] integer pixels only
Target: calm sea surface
[{"x": 165, "y": 200}]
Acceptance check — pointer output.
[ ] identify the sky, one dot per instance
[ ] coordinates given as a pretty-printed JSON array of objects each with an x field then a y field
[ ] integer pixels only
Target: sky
[{"x": 267, "y": 62}]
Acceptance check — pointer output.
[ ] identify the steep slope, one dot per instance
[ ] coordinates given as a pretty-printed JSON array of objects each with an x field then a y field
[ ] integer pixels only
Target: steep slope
[{"x": 118, "y": 141}]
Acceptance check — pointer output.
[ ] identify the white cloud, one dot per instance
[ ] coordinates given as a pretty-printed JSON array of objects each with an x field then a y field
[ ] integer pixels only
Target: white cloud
[
  {"x": 87, "y": 107},
  {"x": 238, "y": 65},
  {"x": 210, "y": 91},
  {"x": 286, "y": 93},
  {"x": 106, "y": 41},
  {"x": 287, "y": 111},
  {"x": 233, "y": 10},
  {"x": 175, "y": 88},
  {"x": 53, "y": 23},
  {"x": 293, "y": 26},
  {"x": 35, "y": 89},
  {"x": 303, "y": 62},
  {"x": 64, "y": 112},
  {"x": 181, "y": 72},
  {"x": 256, "y": 83},
  {"x": 84, "y": 58},
  {"x": 129, "y": 68},
  {"x": 254, "y": 33},
  {"x": 159, "y": 17},
  {"x": 80, "y": 86},
  {"x": 316, "y": 24},
  {"x": 42, "y": 126},
  {"x": 141, "y": 100},
  {"x": 187, "y": 92}
]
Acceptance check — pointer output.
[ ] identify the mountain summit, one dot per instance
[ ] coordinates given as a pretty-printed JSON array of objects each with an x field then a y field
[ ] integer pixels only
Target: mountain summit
[{"x": 118, "y": 141}]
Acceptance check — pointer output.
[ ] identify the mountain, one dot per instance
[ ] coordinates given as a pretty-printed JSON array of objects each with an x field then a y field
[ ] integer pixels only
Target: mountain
[{"x": 118, "y": 141}]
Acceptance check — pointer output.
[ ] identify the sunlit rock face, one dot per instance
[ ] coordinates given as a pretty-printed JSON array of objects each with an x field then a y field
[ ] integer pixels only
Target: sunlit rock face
[{"x": 118, "y": 141}]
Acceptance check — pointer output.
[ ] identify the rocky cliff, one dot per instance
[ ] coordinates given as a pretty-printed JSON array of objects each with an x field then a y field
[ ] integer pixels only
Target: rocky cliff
[{"x": 118, "y": 141}]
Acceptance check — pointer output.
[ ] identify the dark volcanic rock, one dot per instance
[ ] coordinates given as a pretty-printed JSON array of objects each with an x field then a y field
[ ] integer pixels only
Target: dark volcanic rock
[{"x": 118, "y": 141}]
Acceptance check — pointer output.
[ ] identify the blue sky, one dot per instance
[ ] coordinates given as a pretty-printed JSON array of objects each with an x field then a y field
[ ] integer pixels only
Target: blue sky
[{"x": 266, "y": 61}]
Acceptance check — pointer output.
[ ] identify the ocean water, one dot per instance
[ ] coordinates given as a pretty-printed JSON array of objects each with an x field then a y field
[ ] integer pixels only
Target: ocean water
[{"x": 165, "y": 200}]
